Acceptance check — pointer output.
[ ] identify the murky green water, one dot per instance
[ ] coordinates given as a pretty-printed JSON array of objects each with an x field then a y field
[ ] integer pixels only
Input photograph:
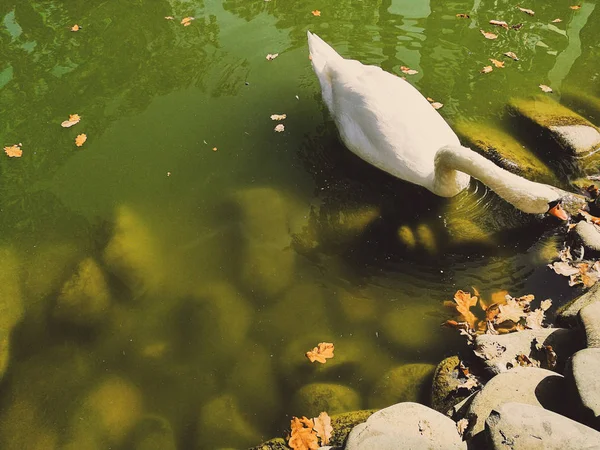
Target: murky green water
[{"x": 157, "y": 292}]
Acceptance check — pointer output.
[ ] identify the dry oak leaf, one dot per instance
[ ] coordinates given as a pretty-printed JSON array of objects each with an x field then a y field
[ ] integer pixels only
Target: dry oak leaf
[
  {"x": 279, "y": 128},
  {"x": 489, "y": 35},
  {"x": 408, "y": 70},
  {"x": 511, "y": 55},
  {"x": 463, "y": 16},
  {"x": 486, "y": 69},
  {"x": 499, "y": 23},
  {"x": 316, "y": 13},
  {"x": 511, "y": 311},
  {"x": 321, "y": 352},
  {"x": 557, "y": 20},
  {"x": 464, "y": 301},
  {"x": 75, "y": 28},
  {"x": 73, "y": 119},
  {"x": 527, "y": 11},
  {"x": 169, "y": 17},
  {"x": 272, "y": 56},
  {"x": 187, "y": 21},
  {"x": 303, "y": 437},
  {"x": 437, "y": 105},
  {"x": 575, "y": 7},
  {"x": 14, "y": 151},
  {"x": 323, "y": 427},
  {"x": 499, "y": 64},
  {"x": 278, "y": 116},
  {"x": 545, "y": 88},
  {"x": 589, "y": 218},
  {"x": 80, "y": 140}
]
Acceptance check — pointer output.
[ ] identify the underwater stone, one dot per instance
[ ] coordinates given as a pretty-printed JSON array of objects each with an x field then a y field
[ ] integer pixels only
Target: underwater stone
[
  {"x": 312, "y": 399},
  {"x": 11, "y": 296},
  {"x": 414, "y": 327},
  {"x": 406, "y": 383},
  {"x": 22, "y": 427},
  {"x": 504, "y": 150},
  {"x": 85, "y": 298},
  {"x": 222, "y": 423},
  {"x": 583, "y": 102},
  {"x": 152, "y": 433}
]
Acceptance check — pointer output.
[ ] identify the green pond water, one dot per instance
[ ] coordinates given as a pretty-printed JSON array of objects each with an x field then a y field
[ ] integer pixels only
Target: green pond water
[{"x": 158, "y": 294}]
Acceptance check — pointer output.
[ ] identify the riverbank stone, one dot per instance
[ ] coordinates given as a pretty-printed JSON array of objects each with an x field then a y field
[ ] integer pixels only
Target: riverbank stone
[
  {"x": 444, "y": 389},
  {"x": 404, "y": 426},
  {"x": 589, "y": 235},
  {"x": 584, "y": 373},
  {"x": 311, "y": 399},
  {"x": 568, "y": 314},
  {"x": 502, "y": 350},
  {"x": 406, "y": 383},
  {"x": 590, "y": 318},
  {"x": 530, "y": 385},
  {"x": 518, "y": 426}
]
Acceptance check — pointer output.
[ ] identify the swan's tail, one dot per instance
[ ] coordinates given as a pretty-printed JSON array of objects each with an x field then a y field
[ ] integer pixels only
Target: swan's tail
[{"x": 322, "y": 58}]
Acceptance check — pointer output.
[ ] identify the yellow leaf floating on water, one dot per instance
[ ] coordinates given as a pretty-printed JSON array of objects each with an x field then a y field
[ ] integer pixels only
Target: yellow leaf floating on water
[
  {"x": 279, "y": 128},
  {"x": 169, "y": 17},
  {"x": 527, "y": 11},
  {"x": 497, "y": 63},
  {"x": 187, "y": 21},
  {"x": 489, "y": 35},
  {"x": 73, "y": 119},
  {"x": 278, "y": 116},
  {"x": 575, "y": 7},
  {"x": 511, "y": 55},
  {"x": 408, "y": 70},
  {"x": 545, "y": 88},
  {"x": 463, "y": 16},
  {"x": 272, "y": 56},
  {"x": 557, "y": 20},
  {"x": 499, "y": 23},
  {"x": 75, "y": 28},
  {"x": 316, "y": 13},
  {"x": 80, "y": 140},
  {"x": 14, "y": 151},
  {"x": 323, "y": 427},
  {"x": 321, "y": 352},
  {"x": 303, "y": 437},
  {"x": 487, "y": 69},
  {"x": 437, "y": 105}
]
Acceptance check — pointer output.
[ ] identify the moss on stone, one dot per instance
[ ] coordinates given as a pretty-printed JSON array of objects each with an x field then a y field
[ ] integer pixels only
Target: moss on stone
[
  {"x": 504, "y": 150},
  {"x": 444, "y": 393},
  {"x": 272, "y": 444},
  {"x": 406, "y": 383},
  {"x": 465, "y": 231},
  {"x": 545, "y": 112},
  {"x": 311, "y": 399},
  {"x": 584, "y": 102}
]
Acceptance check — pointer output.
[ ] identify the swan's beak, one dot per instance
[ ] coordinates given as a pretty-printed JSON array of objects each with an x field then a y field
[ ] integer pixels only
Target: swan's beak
[{"x": 558, "y": 211}]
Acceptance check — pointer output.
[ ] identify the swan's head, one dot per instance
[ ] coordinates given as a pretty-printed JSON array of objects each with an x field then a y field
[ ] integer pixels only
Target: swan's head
[
  {"x": 555, "y": 209},
  {"x": 537, "y": 198},
  {"x": 562, "y": 204}
]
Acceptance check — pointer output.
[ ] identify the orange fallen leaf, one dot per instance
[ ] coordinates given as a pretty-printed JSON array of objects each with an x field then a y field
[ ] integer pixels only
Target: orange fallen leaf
[
  {"x": 557, "y": 20},
  {"x": 75, "y": 28},
  {"x": 527, "y": 11},
  {"x": 487, "y": 69},
  {"x": 316, "y": 13},
  {"x": 499, "y": 23},
  {"x": 169, "y": 17},
  {"x": 589, "y": 218},
  {"x": 168, "y": 174},
  {"x": 489, "y": 35},
  {"x": 321, "y": 352},
  {"x": 545, "y": 88},
  {"x": 279, "y": 128},
  {"x": 278, "y": 116},
  {"x": 272, "y": 56},
  {"x": 437, "y": 105},
  {"x": 323, "y": 427},
  {"x": 187, "y": 21},
  {"x": 429, "y": 99},
  {"x": 14, "y": 151},
  {"x": 214, "y": 149},
  {"x": 80, "y": 139},
  {"x": 463, "y": 16},
  {"x": 575, "y": 7},
  {"x": 408, "y": 70},
  {"x": 511, "y": 55},
  {"x": 498, "y": 64},
  {"x": 303, "y": 437},
  {"x": 73, "y": 119},
  {"x": 464, "y": 301}
]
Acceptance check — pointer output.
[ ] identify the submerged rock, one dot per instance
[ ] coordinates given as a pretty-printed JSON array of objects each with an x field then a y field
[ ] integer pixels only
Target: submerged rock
[
  {"x": 406, "y": 383},
  {"x": 405, "y": 425},
  {"x": 85, "y": 298},
  {"x": 312, "y": 399},
  {"x": 152, "y": 433},
  {"x": 530, "y": 385},
  {"x": 583, "y": 373},
  {"x": 11, "y": 296},
  {"x": 414, "y": 327},
  {"x": 583, "y": 102},
  {"x": 518, "y": 426}
]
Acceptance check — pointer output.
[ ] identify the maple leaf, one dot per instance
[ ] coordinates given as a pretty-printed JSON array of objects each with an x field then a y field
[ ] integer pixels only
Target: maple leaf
[
  {"x": 80, "y": 140},
  {"x": 408, "y": 70},
  {"x": 321, "y": 353},
  {"x": 464, "y": 301},
  {"x": 499, "y": 64},
  {"x": 527, "y": 11},
  {"x": 575, "y": 7},
  {"x": 73, "y": 119},
  {"x": 557, "y": 20},
  {"x": 486, "y": 69},
  {"x": 316, "y": 13},
  {"x": 323, "y": 427},
  {"x": 463, "y": 16},
  {"x": 489, "y": 35},
  {"x": 272, "y": 56},
  {"x": 499, "y": 23},
  {"x": 278, "y": 116},
  {"x": 279, "y": 128},
  {"x": 303, "y": 437},
  {"x": 511, "y": 55},
  {"x": 545, "y": 88},
  {"x": 14, "y": 151},
  {"x": 187, "y": 21}
]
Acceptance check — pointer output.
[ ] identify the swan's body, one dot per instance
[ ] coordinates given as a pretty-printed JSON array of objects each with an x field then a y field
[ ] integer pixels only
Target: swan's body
[{"x": 388, "y": 123}]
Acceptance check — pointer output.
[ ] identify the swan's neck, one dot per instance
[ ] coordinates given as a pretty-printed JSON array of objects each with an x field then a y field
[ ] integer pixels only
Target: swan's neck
[{"x": 525, "y": 195}]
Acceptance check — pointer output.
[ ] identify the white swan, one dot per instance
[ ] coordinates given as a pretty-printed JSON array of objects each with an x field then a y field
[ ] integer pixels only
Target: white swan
[{"x": 384, "y": 120}]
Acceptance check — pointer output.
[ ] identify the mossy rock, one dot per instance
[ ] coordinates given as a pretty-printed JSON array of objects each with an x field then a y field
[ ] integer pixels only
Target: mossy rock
[
  {"x": 464, "y": 231},
  {"x": 312, "y": 399},
  {"x": 11, "y": 296},
  {"x": 583, "y": 102},
  {"x": 272, "y": 444},
  {"x": 444, "y": 394},
  {"x": 406, "y": 383},
  {"x": 412, "y": 327},
  {"x": 504, "y": 150}
]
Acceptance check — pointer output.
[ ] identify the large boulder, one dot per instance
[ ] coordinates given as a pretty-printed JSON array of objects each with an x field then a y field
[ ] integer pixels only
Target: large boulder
[
  {"x": 518, "y": 426},
  {"x": 589, "y": 235},
  {"x": 530, "y": 385},
  {"x": 585, "y": 382},
  {"x": 590, "y": 318},
  {"x": 568, "y": 314},
  {"x": 406, "y": 383},
  {"x": 405, "y": 425}
]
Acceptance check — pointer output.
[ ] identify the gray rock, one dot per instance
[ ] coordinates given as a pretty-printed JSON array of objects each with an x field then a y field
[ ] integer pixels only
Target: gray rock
[
  {"x": 405, "y": 426},
  {"x": 530, "y": 385},
  {"x": 583, "y": 372},
  {"x": 406, "y": 383},
  {"x": 590, "y": 318},
  {"x": 312, "y": 399},
  {"x": 518, "y": 426},
  {"x": 582, "y": 138},
  {"x": 568, "y": 314},
  {"x": 501, "y": 350},
  {"x": 589, "y": 235}
]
